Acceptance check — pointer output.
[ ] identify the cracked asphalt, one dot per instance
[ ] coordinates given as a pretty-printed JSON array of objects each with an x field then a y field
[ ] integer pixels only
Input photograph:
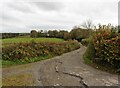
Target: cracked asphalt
[{"x": 65, "y": 70}]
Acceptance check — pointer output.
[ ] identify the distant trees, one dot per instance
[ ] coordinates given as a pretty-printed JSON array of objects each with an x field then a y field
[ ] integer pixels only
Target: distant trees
[
  {"x": 79, "y": 33},
  {"x": 88, "y": 24},
  {"x": 51, "y": 33},
  {"x": 9, "y": 35},
  {"x": 12, "y": 35},
  {"x": 42, "y": 33},
  {"x": 66, "y": 36},
  {"x": 62, "y": 33},
  {"x": 76, "y": 33},
  {"x": 34, "y": 34}
]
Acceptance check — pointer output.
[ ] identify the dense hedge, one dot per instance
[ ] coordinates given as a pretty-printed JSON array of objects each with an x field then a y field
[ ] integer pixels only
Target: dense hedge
[
  {"x": 24, "y": 51},
  {"x": 106, "y": 47}
]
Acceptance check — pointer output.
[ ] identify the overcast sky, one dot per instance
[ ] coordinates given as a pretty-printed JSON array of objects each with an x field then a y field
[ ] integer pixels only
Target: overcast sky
[{"x": 25, "y": 15}]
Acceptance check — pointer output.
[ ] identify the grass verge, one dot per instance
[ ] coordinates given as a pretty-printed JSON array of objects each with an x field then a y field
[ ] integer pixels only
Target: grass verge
[
  {"x": 25, "y": 79},
  {"x": 86, "y": 59},
  {"x": 7, "y": 63}
]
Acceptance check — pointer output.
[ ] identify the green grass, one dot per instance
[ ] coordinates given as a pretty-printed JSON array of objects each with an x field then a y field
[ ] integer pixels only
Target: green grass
[
  {"x": 0, "y": 62},
  {"x": 7, "y": 63},
  {"x": 86, "y": 58},
  {"x": 19, "y": 40},
  {"x": 10, "y": 41},
  {"x": 89, "y": 54}
]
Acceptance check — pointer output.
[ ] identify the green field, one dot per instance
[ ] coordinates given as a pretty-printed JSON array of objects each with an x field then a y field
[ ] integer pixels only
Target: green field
[{"x": 23, "y": 40}]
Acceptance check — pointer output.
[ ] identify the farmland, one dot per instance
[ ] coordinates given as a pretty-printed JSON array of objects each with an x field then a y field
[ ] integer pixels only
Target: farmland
[
  {"x": 23, "y": 40},
  {"x": 26, "y": 50},
  {"x": 10, "y": 41}
]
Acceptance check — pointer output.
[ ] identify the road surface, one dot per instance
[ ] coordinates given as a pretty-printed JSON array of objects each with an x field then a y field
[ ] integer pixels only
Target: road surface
[{"x": 65, "y": 70}]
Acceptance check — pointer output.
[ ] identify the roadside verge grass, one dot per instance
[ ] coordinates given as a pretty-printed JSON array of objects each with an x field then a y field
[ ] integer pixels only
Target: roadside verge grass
[
  {"x": 7, "y": 63},
  {"x": 25, "y": 79}
]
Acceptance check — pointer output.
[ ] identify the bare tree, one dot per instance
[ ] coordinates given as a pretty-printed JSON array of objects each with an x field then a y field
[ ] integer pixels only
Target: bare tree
[{"x": 88, "y": 24}]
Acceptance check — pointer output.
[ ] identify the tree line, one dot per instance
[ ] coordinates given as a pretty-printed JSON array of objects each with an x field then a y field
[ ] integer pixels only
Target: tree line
[
  {"x": 76, "y": 33},
  {"x": 9, "y": 35},
  {"x": 85, "y": 30},
  {"x": 12, "y": 35}
]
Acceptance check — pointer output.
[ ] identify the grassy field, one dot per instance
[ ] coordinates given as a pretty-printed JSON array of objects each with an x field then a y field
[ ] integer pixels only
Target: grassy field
[
  {"x": 20, "y": 40},
  {"x": 10, "y": 41},
  {"x": 7, "y": 63}
]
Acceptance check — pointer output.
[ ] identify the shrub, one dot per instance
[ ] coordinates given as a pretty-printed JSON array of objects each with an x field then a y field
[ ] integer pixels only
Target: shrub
[
  {"x": 107, "y": 47},
  {"x": 24, "y": 51},
  {"x": 103, "y": 48},
  {"x": 85, "y": 42}
]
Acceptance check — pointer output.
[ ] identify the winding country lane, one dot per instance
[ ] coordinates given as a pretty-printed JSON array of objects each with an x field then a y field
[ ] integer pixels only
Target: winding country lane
[{"x": 65, "y": 70}]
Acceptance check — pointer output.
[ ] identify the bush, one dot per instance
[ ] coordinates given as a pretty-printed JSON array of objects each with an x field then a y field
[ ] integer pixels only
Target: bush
[
  {"x": 85, "y": 42},
  {"x": 104, "y": 48},
  {"x": 24, "y": 51}
]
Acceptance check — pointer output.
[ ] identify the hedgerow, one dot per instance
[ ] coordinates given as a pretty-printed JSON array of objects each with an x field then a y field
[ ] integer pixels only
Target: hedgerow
[
  {"x": 24, "y": 51},
  {"x": 106, "y": 47}
]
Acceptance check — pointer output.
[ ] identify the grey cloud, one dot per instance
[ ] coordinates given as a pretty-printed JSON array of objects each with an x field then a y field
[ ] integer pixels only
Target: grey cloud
[
  {"x": 13, "y": 28},
  {"x": 9, "y": 18},
  {"x": 55, "y": 15},
  {"x": 119, "y": 13},
  {"x": 49, "y": 6},
  {"x": 94, "y": 8},
  {"x": 20, "y": 7},
  {"x": 49, "y": 27}
]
